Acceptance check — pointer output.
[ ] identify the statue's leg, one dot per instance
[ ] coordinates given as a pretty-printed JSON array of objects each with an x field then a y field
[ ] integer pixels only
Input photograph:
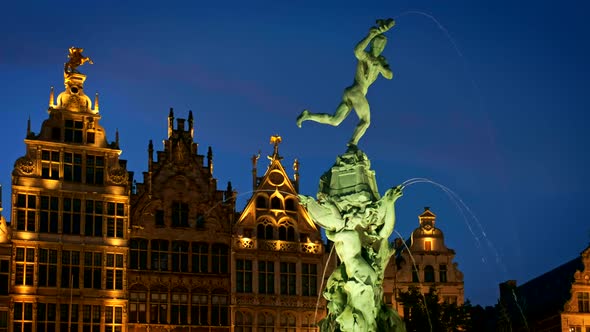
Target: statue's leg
[
  {"x": 335, "y": 119},
  {"x": 364, "y": 113}
]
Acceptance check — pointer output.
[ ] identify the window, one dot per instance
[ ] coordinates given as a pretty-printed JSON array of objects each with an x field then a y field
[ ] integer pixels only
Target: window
[
  {"x": 73, "y": 131},
  {"x": 450, "y": 299},
  {"x": 71, "y": 216},
  {"x": 309, "y": 279},
  {"x": 286, "y": 231},
  {"x": 260, "y": 202},
  {"x": 93, "y": 226},
  {"x": 427, "y": 245},
  {"x": 3, "y": 320},
  {"x": 180, "y": 256},
  {"x": 179, "y": 304},
  {"x": 47, "y": 273},
  {"x": 56, "y": 133},
  {"x": 72, "y": 167},
  {"x": 265, "y": 230},
  {"x": 200, "y": 257},
  {"x": 92, "y": 270},
  {"x": 137, "y": 306},
  {"x": 159, "y": 255},
  {"x": 113, "y": 319},
  {"x": 69, "y": 321},
  {"x": 243, "y": 322},
  {"x": 115, "y": 219},
  {"x": 159, "y": 306},
  {"x": 575, "y": 328},
  {"x": 4, "y": 278},
  {"x": 159, "y": 217},
  {"x": 114, "y": 271},
  {"x": 288, "y": 278},
  {"x": 179, "y": 214},
  {"x": 428, "y": 273},
  {"x": 91, "y": 318},
  {"x": 275, "y": 203},
  {"x": 46, "y": 317},
  {"x": 25, "y": 212},
  {"x": 219, "y": 308},
  {"x": 442, "y": 273},
  {"x": 25, "y": 266},
  {"x": 94, "y": 170},
  {"x": 50, "y": 164},
  {"x": 70, "y": 269},
  {"x": 48, "y": 216},
  {"x": 583, "y": 302},
  {"x": 415, "y": 277},
  {"x": 308, "y": 324},
  {"x": 266, "y": 322},
  {"x": 23, "y": 317},
  {"x": 138, "y": 254},
  {"x": 219, "y": 258},
  {"x": 266, "y": 277},
  {"x": 199, "y": 307},
  {"x": 290, "y": 204},
  {"x": 243, "y": 276},
  {"x": 90, "y": 137},
  {"x": 288, "y": 323}
]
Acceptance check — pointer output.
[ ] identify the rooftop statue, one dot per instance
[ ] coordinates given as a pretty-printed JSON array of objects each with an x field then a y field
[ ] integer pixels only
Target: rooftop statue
[
  {"x": 76, "y": 60},
  {"x": 370, "y": 65}
]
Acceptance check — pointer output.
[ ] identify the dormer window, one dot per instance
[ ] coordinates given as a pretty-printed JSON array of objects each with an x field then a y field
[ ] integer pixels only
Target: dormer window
[{"x": 428, "y": 245}]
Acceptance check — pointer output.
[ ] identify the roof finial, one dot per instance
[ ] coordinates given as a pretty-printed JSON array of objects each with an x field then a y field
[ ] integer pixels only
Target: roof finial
[
  {"x": 276, "y": 140},
  {"x": 51, "y": 98},
  {"x": 170, "y": 122},
  {"x": 117, "y": 138},
  {"x": 190, "y": 124},
  {"x": 210, "y": 160},
  {"x": 29, "y": 126},
  {"x": 96, "y": 102}
]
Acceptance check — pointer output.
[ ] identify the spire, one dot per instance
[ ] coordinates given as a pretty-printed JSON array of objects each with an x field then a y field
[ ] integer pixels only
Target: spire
[
  {"x": 190, "y": 124},
  {"x": 210, "y": 160},
  {"x": 29, "y": 126},
  {"x": 96, "y": 102},
  {"x": 150, "y": 154},
  {"x": 51, "y": 98},
  {"x": 170, "y": 122},
  {"x": 117, "y": 138}
]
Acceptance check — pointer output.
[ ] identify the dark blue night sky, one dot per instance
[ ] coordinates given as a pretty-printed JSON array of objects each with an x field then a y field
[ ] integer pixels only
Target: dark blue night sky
[{"x": 492, "y": 103}]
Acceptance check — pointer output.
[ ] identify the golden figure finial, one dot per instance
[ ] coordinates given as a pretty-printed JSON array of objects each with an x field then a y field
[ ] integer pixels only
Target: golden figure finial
[
  {"x": 276, "y": 140},
  {"x": 76, "y": 60}
]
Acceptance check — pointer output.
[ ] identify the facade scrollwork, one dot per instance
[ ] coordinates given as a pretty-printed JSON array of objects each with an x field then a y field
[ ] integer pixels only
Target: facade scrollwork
[
  {"x": 24, "y": 165},
  {"x": 118, "y": 175}
]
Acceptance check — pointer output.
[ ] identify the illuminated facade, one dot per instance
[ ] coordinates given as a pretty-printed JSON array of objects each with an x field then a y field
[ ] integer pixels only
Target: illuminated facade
[
  {"x": 558, "y": 300},
  {"x": 178, "y": 272},
  {"x": 428, "y": 263},
  {"x": 70, "y": 208},
  {"x": 277, "y": 256},
  {"x": 5, "y": 250}
]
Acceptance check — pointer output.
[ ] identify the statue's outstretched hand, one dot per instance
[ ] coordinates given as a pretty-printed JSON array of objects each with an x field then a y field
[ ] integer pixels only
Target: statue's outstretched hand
[
  {"x": 382, "y": 26},
  {"x": 393, "y": 194}
]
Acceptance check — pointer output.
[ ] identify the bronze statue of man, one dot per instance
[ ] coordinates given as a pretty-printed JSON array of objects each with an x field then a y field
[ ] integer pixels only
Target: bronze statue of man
[{"x": 370, "y": 65}]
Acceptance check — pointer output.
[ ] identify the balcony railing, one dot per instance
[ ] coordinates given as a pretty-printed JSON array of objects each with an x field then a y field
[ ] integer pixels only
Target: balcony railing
[{"x": 278, "y": 245}]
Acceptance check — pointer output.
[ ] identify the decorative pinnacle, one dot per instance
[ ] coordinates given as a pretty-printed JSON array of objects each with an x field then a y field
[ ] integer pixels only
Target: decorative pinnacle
[
  {"x": 51, "y": 98},
  {"x": 96, "y": 102}
]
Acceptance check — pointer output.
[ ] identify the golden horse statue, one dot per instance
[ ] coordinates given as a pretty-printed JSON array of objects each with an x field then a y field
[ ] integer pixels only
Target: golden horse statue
[{"x": 76, "y": 60}]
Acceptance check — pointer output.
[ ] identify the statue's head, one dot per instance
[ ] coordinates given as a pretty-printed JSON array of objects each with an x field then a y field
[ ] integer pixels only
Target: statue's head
[{"x": 378, "y": 44}]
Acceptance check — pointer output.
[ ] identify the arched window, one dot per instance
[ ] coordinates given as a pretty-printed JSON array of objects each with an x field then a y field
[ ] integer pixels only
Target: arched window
[
  {"x": 275, "y": 203},
  {"x": 290, "y": 204},
  {"x": 179, "y": 303},
  {"x": 266, "y": 322},
  {"x": 261, "y": 202},
  {"x": 428, "y": 273},
  {"x": 243, "y": 322},
  {"x": 199, "y": 307},
  {"x": 286, "y": 231},
  {"x": 308, "y": 324},
  {"x": 288, "y": 323},
  {"x": 265, "y": 230}
]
